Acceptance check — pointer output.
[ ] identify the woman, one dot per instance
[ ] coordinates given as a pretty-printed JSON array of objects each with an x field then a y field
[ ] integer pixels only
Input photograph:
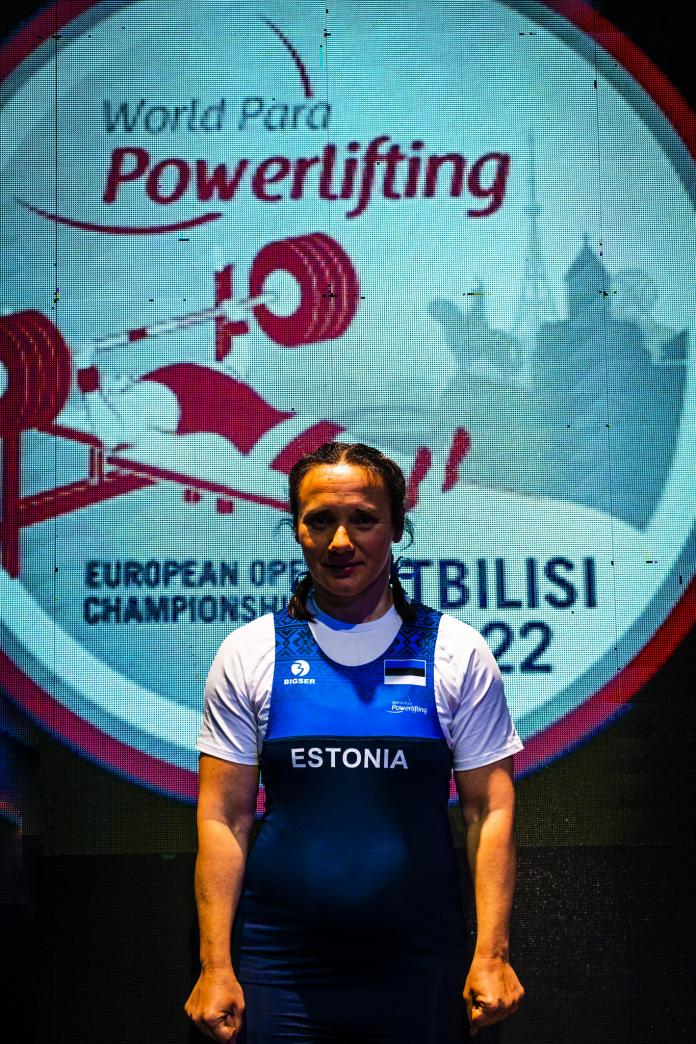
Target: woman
[{"x": 357, "y": 704}]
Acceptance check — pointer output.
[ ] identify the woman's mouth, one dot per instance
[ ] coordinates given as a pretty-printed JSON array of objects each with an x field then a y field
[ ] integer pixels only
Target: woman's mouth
[{"x": 342, "y": 568}]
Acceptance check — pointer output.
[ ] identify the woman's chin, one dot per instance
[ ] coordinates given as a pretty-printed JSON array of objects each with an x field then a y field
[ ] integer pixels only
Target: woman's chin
[{"x": 342, "y": 587}]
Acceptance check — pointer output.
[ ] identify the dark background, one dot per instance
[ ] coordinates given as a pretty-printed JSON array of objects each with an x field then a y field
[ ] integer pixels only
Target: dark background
[{"x": 96, "y": 897}]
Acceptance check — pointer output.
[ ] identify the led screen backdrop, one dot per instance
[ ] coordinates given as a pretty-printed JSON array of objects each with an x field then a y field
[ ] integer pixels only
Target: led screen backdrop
[{"x": 460, "y": 232}]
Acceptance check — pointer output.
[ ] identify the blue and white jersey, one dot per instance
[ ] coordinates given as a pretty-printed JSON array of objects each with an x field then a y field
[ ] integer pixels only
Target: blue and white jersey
[
  {"x": 469, "y": 694},
  {"x": 354, "y": 856}
]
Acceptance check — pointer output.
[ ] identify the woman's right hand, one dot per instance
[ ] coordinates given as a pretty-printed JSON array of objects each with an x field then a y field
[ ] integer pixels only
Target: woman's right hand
[{"x": 216, "y": 1004}]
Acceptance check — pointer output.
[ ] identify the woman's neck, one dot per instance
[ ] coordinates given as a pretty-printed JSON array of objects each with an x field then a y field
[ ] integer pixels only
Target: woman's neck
[{"x": 369, "y": 606}]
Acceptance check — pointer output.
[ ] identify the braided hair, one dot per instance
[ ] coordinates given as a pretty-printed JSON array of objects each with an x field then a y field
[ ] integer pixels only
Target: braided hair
[{"x": 390, "y": 475}]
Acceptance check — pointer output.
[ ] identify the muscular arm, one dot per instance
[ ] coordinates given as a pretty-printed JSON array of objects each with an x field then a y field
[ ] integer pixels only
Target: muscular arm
[
  {"x": 226, "y": 806},
  {"x": 487, "y": 797}
]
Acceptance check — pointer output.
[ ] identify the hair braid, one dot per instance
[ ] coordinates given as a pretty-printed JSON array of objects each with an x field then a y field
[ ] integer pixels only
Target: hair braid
[
  {"x": 401, "y": 603},
  {"x": 297, "y": 606}
]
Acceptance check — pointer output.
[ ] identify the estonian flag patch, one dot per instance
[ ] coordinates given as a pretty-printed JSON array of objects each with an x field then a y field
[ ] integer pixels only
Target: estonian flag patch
[{"x": 404, "y": 672}]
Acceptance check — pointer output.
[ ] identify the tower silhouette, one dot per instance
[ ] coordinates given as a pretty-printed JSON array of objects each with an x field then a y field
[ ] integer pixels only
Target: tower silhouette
[
  {"x": 535, "y": 304},
  {"x": 588, "y": 283}
]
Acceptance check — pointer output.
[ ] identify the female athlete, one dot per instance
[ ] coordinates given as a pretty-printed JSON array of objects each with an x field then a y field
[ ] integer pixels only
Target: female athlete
[{"x": 343, "y": 921}]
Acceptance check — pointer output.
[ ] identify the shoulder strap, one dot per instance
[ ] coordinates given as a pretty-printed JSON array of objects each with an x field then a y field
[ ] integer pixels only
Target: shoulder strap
[
  {"x": 293, "y": 638},
  {"x": 417, "y": 637}
]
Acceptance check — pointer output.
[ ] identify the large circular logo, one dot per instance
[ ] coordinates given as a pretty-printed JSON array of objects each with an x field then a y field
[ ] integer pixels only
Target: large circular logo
[{"x": 232, "y": 234}]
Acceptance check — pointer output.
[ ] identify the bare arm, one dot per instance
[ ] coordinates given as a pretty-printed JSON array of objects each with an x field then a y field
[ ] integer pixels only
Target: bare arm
[
  {"x": 487, "y": 797},
  {"x": 226, "y": 807}
]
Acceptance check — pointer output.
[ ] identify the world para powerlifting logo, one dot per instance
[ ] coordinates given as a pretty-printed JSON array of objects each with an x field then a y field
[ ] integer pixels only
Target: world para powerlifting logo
[{"x": 262, "y": 266}]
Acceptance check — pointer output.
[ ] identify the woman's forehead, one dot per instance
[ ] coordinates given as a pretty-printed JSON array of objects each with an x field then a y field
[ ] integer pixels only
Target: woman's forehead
[{"x": 327, "y": 483}]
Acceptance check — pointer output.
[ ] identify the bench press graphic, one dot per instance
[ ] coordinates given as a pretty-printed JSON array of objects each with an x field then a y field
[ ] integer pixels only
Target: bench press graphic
[{"x": 193, "y": 403}]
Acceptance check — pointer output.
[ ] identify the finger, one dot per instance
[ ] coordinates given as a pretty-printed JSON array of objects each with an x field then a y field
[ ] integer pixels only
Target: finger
[
  {"x": 225, "y": 1034},
  {"x": 229, "y": 1026},
  {"x": 489, "y": 1018},
  {"x": 234, "y": 1030},
  {"x": 222, "y": 1034},
  {"x": 214, "y": 1027}
]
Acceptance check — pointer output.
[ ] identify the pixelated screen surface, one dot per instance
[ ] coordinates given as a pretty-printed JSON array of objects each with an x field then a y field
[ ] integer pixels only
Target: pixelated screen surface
[{"x": 461, "y": 233}]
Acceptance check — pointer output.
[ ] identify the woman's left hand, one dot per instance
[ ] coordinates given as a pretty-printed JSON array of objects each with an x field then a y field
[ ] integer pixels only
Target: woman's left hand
[{"x": 492, "y": 991}]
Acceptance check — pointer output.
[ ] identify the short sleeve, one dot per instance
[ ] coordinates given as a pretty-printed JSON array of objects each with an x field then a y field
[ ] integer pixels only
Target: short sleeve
[
  {"x": 480, "y": 724},
  {"x": 236, "y": 692}
]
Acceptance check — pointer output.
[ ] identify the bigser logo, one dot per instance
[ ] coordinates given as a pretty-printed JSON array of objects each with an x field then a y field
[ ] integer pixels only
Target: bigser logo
[
  {"x": 217, "y": 261},
  {"x": 299, "y": 670}
]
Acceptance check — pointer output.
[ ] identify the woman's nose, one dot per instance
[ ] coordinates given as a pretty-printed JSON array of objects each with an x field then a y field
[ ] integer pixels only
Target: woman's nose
[{"x": 340, "y": 540}]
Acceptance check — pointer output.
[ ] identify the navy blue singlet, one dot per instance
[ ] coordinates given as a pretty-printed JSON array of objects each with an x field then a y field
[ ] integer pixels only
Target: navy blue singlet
[{"x": 353, "y": 870}]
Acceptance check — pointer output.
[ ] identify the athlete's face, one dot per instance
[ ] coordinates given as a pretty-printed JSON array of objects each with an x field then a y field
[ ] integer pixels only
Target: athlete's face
[{"x": 345, "y": 529}]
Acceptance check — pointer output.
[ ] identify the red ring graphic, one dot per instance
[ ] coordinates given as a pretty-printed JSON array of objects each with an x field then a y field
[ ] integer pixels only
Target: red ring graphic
[
  {"x": 39, "y": 370},
  {"x": 324, "y": 262},
  {"x": 556, "y": 739},
  {"x": 341, "y": 295},
  {"x": 287, "y": 255}
]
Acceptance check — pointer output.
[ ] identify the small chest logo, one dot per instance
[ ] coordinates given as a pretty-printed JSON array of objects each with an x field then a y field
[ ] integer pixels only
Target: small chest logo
[
  {"x": 299, "y": 669},
  {"x": 406, "y": 707}
]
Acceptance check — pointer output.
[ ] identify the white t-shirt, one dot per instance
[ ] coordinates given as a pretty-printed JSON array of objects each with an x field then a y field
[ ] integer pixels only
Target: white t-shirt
[{"x": 469, "y": 695}]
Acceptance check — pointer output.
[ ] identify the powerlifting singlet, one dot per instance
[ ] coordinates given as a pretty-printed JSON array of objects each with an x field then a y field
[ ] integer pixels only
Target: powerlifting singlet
[{"x": 353, "y": 869}]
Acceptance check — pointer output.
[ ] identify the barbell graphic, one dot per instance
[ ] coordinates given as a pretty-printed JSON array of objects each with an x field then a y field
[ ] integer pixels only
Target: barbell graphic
[
  {"x": 37, "y": 361},
  {"x": 37, "y": 367},
  {"x": 228, "y": 311}
]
